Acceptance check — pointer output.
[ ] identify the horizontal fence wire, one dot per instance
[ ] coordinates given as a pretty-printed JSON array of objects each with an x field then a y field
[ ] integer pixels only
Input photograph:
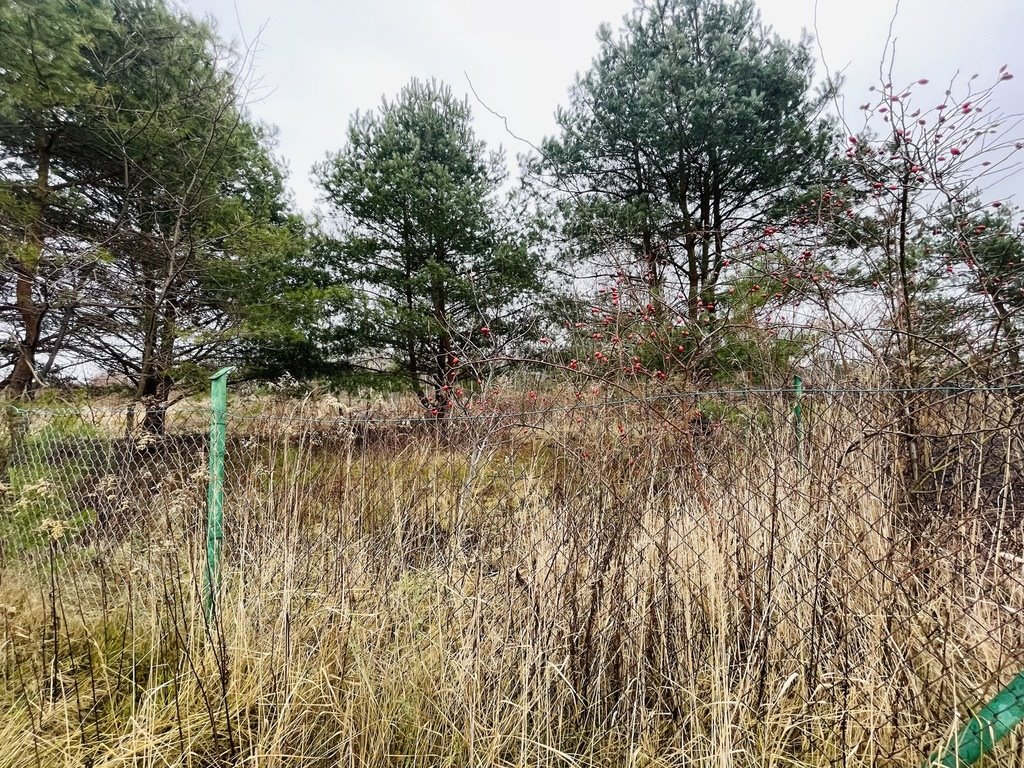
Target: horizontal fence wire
[{"x": 680, "y": 576}]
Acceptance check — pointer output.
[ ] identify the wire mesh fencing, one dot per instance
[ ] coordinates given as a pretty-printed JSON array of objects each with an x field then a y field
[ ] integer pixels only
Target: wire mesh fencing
[{"x": 733, "y": 576}]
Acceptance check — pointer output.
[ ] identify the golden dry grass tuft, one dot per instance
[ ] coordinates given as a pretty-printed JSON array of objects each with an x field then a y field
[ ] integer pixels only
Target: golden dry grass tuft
[{"x": 598, "y": 587}]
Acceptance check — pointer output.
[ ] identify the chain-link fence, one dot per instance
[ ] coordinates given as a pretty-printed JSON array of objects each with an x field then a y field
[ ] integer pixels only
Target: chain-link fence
[{"x": 728, "y": 578}]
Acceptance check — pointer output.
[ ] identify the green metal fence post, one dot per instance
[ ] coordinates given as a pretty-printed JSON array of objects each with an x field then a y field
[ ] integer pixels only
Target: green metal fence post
[
  {"x": 215, "y": 488},
  {"x": 798, "y": 414},
  {"x": 980, "y": 734}
]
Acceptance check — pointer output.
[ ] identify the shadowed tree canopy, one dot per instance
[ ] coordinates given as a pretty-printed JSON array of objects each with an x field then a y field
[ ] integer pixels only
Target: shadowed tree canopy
[
  {"x": 58, "y": 105},
  {"x": 143, "y": 217}
]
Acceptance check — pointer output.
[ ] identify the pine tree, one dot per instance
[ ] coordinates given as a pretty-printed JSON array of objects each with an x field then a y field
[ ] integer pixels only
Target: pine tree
[
  {"x": 424, "y": 232},
  {"x": 689, "y": 124}
]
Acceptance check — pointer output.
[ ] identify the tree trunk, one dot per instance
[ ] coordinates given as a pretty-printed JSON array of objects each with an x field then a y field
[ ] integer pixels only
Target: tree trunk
[
  {"x": 147, "y": 389},
  {"x": 655, "y": 273},
  {"x": 23, "y": 376},
  {"x": 693, "y": 278},
  {"x": 58, "y": 341},
  {"x": 20, "y": 383},
  {"x": 445, "y": 368},
  {"x": 914, "y": 469},
  {"x": 413, "y": 363},
  {"x": 1005, "y": 321},
  {"x": 715, "y": 271},
  {"x": 693, "y": 302}
]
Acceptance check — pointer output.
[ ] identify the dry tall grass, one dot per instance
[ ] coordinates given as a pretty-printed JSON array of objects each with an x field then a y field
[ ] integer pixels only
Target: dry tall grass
[{"x": 623, "y": 586}]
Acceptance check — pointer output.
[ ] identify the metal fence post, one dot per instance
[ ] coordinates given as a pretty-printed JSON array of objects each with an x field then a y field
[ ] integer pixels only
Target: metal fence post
[
  {"x": 978, "y": 737},
  {"x": 798, "y": 414},
  {"x": 215, "y": 488}
]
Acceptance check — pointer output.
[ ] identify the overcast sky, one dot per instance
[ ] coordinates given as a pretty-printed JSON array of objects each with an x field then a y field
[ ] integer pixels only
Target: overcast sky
[{"x": 317, "y": 61}]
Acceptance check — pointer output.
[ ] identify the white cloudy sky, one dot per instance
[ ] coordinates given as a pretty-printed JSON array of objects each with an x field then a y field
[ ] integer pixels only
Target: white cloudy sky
[{"x": 317, "y": 61}]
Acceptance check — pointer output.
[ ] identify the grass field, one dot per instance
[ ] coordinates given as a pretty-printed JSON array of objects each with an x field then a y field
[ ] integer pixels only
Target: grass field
[{"x": 626, "y": 585}]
